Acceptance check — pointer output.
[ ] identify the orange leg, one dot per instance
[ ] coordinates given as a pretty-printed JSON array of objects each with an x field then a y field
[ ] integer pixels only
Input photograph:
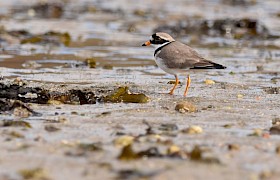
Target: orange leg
[
  {"x": 175, "y": 85},
  {"x": 188, "y": 85}
]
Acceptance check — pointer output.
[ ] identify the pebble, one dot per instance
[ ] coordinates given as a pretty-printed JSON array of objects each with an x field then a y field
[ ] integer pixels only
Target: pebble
[
  {"x": 193, "y": 130},
  {"x": 185, "y": 106}
]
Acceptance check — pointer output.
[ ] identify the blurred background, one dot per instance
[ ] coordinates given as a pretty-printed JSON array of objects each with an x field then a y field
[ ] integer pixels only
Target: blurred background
[{"x": 243, "y": 34}]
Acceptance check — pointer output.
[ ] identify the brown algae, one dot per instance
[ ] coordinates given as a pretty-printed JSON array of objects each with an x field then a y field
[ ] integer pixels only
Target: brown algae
[{"x": 122, "y": 94}]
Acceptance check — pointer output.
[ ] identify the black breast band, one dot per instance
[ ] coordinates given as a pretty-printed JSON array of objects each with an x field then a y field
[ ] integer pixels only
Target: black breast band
[{"x": 159, "y": 48}]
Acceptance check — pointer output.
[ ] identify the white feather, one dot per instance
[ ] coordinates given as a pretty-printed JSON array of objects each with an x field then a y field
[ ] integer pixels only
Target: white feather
[{"x": 156, "y": 46}]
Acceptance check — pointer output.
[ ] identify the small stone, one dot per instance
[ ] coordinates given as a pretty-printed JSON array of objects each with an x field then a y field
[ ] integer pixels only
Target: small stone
[
  {"x": 185, "y": 106},
  {"x": 31, "y": 12},
  {"x": 210, "y": 106},
  {"x": 260, "y": 68},
  {"x": 209, "y": 81},
  {"x": 90, "y": 146},
  {"x": 228, "y": 126},
  {"x": 168, "y": 127},
  {"x": 266, "y": 135},
  {"x": 265, "y": 174},
  {"x": 277, "y": 150},
  {"x": 239, "y": 96},
  {"x": 256, "y": 132},
  {"x": 173, "y": 149},
  {"x": 18, "y": 81},
  {"x": 22, "y": 112},
  {"x": 233, "y": 147},
  {"x": 31, "y": 65},
  {"x": 276, "y": 121},
  {"x": 51, "y": 128},
  {"x": 58, "y": 119},
  {"x": 74, "y": 113},
  {"x": 29, "y": 95},
  {"x": 139, "y": 12},
  {"x": 54, "y": 102},
  {"x": 124, "y": 141},
  {"x": 193, "y": 130}
]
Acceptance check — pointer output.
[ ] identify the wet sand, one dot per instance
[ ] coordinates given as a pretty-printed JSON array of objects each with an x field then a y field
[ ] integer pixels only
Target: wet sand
[{"x": 235, "y": 113}]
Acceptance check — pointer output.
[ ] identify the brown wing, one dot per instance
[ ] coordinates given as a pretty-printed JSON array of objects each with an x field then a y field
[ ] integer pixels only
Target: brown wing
[{"x": 180, "y": 56}]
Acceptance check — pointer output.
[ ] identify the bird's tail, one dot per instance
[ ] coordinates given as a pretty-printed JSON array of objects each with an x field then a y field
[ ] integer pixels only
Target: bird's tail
[
  {"x": 208, "y": 65},
  {"x": 218, "y": 66}
]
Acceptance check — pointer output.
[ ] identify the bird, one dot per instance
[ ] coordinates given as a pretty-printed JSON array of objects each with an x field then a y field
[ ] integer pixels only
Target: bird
[{"x": 177, "y": 58}]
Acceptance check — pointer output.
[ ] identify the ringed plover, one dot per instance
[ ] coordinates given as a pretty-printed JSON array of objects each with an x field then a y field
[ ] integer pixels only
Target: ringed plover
[{"x": 176, "y": 58}]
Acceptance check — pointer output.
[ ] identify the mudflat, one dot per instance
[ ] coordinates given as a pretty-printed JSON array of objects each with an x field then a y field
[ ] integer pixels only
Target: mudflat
[{"x": 81, "y": 99}]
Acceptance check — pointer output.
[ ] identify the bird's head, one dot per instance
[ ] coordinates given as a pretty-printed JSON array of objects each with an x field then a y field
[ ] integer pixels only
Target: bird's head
[{"x": 158, "y": 39}]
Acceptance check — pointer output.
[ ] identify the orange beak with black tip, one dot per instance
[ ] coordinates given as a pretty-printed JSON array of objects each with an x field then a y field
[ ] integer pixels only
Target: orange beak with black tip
[{"x": 148, "y": 43}]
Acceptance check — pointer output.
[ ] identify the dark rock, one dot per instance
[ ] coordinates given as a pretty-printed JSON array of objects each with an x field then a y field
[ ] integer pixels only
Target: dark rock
[
  {"x": 168, "y": 127},
  {"x": 8, "y": 105},
  {"x": 43, "y": 96},
  {"x": 275, "y": 130},
  {"x": 272, "y": 90},
  {"x": 236, "y": 28}
]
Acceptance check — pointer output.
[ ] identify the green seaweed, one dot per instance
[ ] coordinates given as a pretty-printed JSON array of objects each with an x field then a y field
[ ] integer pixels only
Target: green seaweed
[
  {"x": 15, "y": 134},
  {"x": 36, "y": 173},
  {"x": 32, "y": 40},
  {"x": 122, "y": 94},
  {"x": 128, "y": 153},
  {"x": 91, "y": 62},
  {"x": 197, "y": 155},
  {"x": 51, "y": 36},
  {"x": 15, "y": 123},
  {"x": 108, "y": 66},
  {"x": 64, "y": 38}
]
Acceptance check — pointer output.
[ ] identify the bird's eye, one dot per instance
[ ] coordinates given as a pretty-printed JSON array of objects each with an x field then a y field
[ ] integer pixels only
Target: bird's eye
[{"x": 157, "y": 38}]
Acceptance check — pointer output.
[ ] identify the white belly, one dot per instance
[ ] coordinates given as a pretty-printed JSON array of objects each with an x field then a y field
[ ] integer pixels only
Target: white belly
[{"x": 162, "y": 66}]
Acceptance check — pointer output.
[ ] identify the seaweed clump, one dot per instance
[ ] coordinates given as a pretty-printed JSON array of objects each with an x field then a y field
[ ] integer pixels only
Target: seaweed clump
[
  {"x": 122, "y": 94},
  {"x": 48, "y": 37},
  {"x": 15, "y": 123},
  {"x": 43, "y": 96},
  {"x": 25, "y": 94}
]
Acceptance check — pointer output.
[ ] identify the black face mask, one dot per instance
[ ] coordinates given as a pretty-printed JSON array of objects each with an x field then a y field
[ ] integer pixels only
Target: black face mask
[{"x": 157, "y": 40}]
